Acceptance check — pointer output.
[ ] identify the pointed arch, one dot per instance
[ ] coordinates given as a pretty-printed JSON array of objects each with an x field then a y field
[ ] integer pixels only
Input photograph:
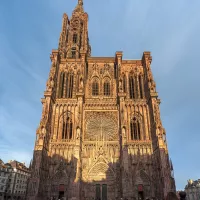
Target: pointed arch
[
  {"x": 141, "y": 86},
  {"x": 71, "y": 82},
  {"x": 106, "y": 87},
  {"x": 132, "y": 91},
  {"x": 69, "y": 85},
  {"x": 78, "y": 80},
  {"x": 65, "y": 129},
  {"x": 124, "y": 83},
  {"x": 73, "y": 52},
  {"x": 95, "y": 87},
  {"x": 142, "y": 177},
  {"x": 61, "y": 85},
  {"x": 101, "y": 171},
  {"x": 75, "y": 38},
  {"x": 135, "y": 129},
  {"x": 66, "y": 85}
]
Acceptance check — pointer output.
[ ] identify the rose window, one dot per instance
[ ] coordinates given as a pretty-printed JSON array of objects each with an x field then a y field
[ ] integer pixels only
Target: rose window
[{"x": 101, "y": 127}]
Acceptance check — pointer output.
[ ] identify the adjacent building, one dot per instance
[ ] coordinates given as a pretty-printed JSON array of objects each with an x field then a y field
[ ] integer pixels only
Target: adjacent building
[
  {"x": 100, "y": 134},
  {"x": 14, "y": 177},
  {"x": 5, "y": 172},
  {"x": 192, "y": 190}
]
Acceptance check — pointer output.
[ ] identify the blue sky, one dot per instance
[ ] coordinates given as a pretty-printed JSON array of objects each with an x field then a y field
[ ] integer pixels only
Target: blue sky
[{"x": 170, "y": 29}]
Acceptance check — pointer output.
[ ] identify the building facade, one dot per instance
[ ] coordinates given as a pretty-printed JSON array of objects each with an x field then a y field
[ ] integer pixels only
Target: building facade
[
  {"x": 100, "y": 135},
  {"x": 14, "y": 177},
  {"x": 19, "y": 179},
  {"x": 4, "y": 178},
  {"x": 192, "y": 189}
]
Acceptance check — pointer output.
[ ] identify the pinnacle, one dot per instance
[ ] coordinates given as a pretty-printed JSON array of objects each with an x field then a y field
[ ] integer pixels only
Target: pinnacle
[
  {"x": 80, "y": 2},
  {"x": 79, "y": 7}
]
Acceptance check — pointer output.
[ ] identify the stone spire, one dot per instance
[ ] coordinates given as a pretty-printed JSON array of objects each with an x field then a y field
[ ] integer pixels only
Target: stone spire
[{"x": 79, "y": 7}]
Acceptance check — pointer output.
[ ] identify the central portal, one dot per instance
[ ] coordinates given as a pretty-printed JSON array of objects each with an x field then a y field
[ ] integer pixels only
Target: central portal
[
  {"x": 100, "y": 155},
  {"x": 101, "y": 192}
]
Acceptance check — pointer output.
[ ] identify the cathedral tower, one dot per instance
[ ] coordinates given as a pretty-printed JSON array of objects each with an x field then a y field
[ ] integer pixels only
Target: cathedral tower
[{"x": 100, "y": 135}]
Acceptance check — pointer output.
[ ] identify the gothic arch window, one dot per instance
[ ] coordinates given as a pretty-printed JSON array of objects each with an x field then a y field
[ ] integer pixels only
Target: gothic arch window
[
  {"x": 61, "y": 85},
  {"x": 86, "y": 70},
  {"x": 132, "y": 87},
  {"x": 135, "y": 129},
  {"x": 67, "y": 129},
  {"x": 66, "y": 85},
  {"x": 115, "y": 70},
  {"x": 73, "y": 52},
  {"x": 75, "y": 38},
  {"x": 141, "y": 83},
  {"x": 77, "y": 80},
  {"x": 69, "y": 85},
  {"x": 95, "y": 88},
  {"x": 106, "y": 87},
  {"x": 124, "y": 83}
]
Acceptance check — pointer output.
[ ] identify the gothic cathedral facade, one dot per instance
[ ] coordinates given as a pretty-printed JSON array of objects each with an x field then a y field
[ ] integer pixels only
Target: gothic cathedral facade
[{"x": 100, "y": 135}]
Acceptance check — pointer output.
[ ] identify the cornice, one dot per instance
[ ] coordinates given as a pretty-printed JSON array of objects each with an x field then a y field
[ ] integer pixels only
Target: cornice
[
  {"x": 137, "y": 62},
  {"x": 136, "y": 102},
  {"x": 139, "y": 142}
]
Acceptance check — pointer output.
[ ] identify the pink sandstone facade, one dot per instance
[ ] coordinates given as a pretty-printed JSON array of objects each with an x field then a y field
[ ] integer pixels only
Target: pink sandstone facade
[{"x": 100, "y": 134}]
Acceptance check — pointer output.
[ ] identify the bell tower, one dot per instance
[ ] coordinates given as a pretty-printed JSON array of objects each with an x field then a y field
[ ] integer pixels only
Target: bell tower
[
  {"x": 74, "y": 35},
  {"x": 100, "y": 135}
]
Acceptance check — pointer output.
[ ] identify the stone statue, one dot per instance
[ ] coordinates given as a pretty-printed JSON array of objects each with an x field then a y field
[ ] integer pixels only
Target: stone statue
[
  {"x": 81, "y": 85},
  {"x": 50, "y": 84},
  {"x": 78, "y": 133},
  {"x": 120, "y": 85},
  {"x": 123, "y": 132},
  {"x": 43, "y": 130}
]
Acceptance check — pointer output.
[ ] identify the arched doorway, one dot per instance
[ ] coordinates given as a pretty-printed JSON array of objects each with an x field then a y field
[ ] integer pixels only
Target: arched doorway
[
  {"x": 142, "y": 186},
  {"x": 100, "y": 183},
  {"x": 59, "y": 184}
]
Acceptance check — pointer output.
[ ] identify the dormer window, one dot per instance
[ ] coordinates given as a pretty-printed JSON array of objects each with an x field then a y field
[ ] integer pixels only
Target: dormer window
[{"x": 75, "y": 38}]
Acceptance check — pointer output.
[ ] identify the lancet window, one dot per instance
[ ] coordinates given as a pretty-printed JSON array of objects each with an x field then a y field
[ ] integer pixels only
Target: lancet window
[
  {"x": 66, "y": 85},
  {"x": 73, "y": 52},
  {"x": 132, "y": 87},
  {"x": 69, "y": 86},
  {"x": 106, "y": 87},
  {"x": 61, "y": 85},
  {"x": 136, "y": 87},
  {"x": 67, "y": 129},
  {"x": 95, "y": 88},
  {"x": 75, "y": 38},
  {"x": 141, "y": 86},
  {"x": 135, "y": 129},
  {"x": 124, "y": 83}
]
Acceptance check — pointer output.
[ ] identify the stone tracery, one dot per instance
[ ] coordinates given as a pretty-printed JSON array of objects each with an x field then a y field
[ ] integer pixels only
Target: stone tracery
[
  {"x": 101, "y": 126},
  {"x": 87, "y": 136}
]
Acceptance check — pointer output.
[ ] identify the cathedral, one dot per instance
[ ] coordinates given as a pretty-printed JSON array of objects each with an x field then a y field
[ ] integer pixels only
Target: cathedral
[{"x": 100, "y": 136}]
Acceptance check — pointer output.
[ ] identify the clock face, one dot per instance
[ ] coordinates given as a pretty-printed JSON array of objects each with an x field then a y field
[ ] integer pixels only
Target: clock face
[{"x": 101, "y": 127}]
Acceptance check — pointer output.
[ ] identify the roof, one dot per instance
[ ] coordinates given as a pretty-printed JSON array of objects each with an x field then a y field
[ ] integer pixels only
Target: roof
[{"x": 192, "y": 184}]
